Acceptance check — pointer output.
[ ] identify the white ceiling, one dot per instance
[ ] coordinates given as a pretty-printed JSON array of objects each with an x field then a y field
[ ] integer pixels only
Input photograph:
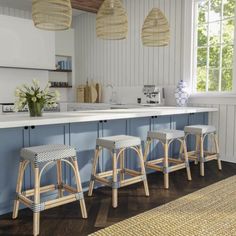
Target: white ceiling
[{"x": 26, "y": 5}]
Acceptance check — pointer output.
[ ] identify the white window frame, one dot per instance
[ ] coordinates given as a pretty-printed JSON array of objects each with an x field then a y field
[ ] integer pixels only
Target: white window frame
[{"x": 191, "y": 16}]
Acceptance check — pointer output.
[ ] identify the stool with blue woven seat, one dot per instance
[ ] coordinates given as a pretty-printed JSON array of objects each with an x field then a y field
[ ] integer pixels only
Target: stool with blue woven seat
[
  {"x": 166, "y": 137},
  {"x": 199, "y": 154},
  {"x": 117, "y": 146},
  {"x": 41, "y": 157}
]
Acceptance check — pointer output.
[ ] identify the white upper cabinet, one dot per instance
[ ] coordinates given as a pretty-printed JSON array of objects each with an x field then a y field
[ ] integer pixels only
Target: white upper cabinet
[{"x": 22, "y": 45}]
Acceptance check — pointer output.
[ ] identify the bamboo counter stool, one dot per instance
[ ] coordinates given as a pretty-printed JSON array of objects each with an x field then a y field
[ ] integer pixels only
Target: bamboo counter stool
[
  {"x": 117, "y": 146},
  {"x": 46, "y": 156},
  {"x": 166, "y": 137},
  {"x": 199, "y": 154}
]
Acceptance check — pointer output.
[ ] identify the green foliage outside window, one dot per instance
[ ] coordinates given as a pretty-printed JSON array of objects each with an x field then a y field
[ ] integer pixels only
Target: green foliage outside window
[{"x": 215, "y": 47}]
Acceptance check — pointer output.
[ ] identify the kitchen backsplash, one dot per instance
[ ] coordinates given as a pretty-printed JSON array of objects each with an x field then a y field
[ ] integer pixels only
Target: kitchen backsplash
[{"x": 129, "y": 95}]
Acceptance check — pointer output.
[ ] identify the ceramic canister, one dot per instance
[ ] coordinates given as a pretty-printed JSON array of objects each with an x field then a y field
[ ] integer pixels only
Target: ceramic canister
[{"x": 182, "y": 94}]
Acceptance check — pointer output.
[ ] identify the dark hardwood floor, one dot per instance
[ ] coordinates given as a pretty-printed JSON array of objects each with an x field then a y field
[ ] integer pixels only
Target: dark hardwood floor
[{"x": 66, "y": 220}]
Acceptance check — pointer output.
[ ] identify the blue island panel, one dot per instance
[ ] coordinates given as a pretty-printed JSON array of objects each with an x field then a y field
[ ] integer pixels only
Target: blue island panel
[
  {"x": 110, "y": 128},
  {"x": 11, "y": 141},
  {"x": 160, "y": 122},
  {"x": 139, "y": 128},
  {"x": 83, "y": 137}
]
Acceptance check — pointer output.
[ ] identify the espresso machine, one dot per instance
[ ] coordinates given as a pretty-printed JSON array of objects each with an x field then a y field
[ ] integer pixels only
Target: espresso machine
[{"x": 154, "y": 95}]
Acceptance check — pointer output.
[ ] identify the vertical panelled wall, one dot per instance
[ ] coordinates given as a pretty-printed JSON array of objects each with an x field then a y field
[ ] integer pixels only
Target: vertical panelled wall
[
  {"x": 15, "y": 12},
  {"x": 127, "y": 62},
  {"x": 225, "y": 122}
]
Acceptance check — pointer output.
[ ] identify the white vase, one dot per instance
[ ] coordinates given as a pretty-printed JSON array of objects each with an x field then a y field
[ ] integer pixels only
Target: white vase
[{"x": 182, "y": 94}]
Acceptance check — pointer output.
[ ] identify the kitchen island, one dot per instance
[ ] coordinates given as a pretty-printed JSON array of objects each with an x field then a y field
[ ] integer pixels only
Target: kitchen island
[{"x": 80, "y": 130}]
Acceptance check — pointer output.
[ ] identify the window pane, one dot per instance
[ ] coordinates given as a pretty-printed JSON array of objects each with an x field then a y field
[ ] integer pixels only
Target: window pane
[
  {"x": 202, "y": 35},
  {"x": 228, "y": 31},
  {"x": 213, "y": 83},
  {"x": 202, "y": 57},
  {"x": 214, "y": 57},
  {"x": 214, "y": 33},
  {"x": 201, "y": 79},
  {"x": 228, "y": 8},
  {"x": 227, "y": 57},
  {"x": 215, "y": 10},
  {"x": 227, "y": 78},
  {"x": 203, "y": 12},
  {"x": 215, "y": 45}
]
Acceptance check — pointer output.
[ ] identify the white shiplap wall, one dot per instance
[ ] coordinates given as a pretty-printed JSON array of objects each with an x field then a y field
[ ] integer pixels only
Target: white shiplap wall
[
  {"x": 127, "y": 62},
  {"x": 15, "y": 12},
  {"x": 224, "y": 120}
]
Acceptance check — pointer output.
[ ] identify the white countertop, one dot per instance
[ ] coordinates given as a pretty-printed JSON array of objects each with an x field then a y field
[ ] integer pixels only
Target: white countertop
[{"x": 21, "y": 120}]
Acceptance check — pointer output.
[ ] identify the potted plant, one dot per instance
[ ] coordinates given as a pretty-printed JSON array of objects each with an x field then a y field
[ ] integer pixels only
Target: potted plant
[{"x": 35, "y": 98}]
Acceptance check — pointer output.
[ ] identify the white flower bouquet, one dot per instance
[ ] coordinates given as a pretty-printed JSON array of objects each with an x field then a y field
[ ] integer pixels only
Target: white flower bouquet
[{"x": 35, "y": 98}]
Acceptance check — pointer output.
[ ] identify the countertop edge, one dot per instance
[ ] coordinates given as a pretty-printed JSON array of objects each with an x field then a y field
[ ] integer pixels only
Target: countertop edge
[{"x": 17, "y": 121}]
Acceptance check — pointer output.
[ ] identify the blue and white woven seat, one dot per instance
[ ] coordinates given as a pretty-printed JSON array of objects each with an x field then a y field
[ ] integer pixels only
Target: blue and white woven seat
[
  {"x": 199, "y": 129},
  {"x": 166, "y": 134},
  {"x": 46, "y": 153},
  {"x": 119, "y": 141}
]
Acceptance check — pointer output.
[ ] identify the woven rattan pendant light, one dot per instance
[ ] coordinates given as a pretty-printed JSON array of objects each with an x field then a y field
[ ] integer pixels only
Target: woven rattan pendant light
[
  {"x": 156, "y": 31},
  {"x": 112, "y": 21},
  {"x": 52, "y": 14}
]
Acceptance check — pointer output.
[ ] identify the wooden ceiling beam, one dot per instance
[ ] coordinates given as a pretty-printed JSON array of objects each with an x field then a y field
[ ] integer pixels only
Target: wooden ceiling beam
[{"x": 87, "y": 5}]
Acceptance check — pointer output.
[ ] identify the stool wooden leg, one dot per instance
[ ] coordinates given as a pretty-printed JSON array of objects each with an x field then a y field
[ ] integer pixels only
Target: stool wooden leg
[
  {"x": 202, "y": 171},
  {"x": 166, "y": 165},
  {"x": 94, "y": 170},
  {"x": 181, "y": 151},
  {"x": 36, "y": 217},
  {"x": 197, "y": 148},
  {"x": 143, "y": 171},
  {"x": 147, "y": 148},
  {"x": 114, "y": 188},
  {"x": 122, "y": 165},
  {"x": 217, "y": 151},
  {"x": 79, "y": 188},
  {"x": 18, "y": 189},
  {"x": 59, "y": 178},
  {"x": 186, "y": 160}
]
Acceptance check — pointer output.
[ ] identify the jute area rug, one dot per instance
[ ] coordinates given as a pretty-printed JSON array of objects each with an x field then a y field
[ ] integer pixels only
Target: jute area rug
[{"x": 210, "y": 211}]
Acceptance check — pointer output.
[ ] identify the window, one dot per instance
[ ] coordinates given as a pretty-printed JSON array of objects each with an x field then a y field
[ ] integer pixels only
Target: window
[{"x": 214, "y": 45}]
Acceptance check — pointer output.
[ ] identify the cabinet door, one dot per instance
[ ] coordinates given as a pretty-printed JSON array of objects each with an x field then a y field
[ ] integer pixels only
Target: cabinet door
[
  {"x": 11, "y": 141},
  {"x": 196, "y": 119},
  {"x": 160, "y": 122},
  {"x": 44, "y": 135},
  {"x": 139, "y": 128},
  {"x": 23, "y": 45},
  {"x": 110, "y": 128},
  {"x": 83, "y": 137},
  {"x": 178, "y": 123}
]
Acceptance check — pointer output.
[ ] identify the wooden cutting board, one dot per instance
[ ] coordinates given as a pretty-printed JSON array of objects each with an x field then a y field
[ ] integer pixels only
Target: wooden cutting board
[
  {"x": 99, "y": 93},
  {"x": 80, "y": 94},
  {"x": 93, "y": 94},
  {"x": 90, "y": 94},
  {"x": 87, "y": 94}
]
